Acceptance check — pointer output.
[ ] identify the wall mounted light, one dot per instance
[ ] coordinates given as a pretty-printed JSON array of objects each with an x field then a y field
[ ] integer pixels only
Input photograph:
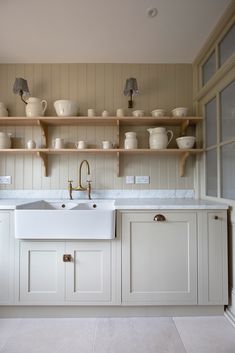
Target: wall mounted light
[
  {"x": 21, "y": 88},
  {"x": 131, "y": 89}
]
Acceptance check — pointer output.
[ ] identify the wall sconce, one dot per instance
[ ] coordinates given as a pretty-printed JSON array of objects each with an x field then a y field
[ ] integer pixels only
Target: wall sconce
[
  {"x": 131, "y": 89},
  {"x": 21, "y": 87}
]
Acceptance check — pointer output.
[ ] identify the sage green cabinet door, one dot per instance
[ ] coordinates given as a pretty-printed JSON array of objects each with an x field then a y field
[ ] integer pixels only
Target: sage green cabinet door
[
  {"x": 6, "y": 259},
  {"x": 88, "y": 274},
  {"x": 159, "y": 258},
  {"x": 42, "y": 272}
]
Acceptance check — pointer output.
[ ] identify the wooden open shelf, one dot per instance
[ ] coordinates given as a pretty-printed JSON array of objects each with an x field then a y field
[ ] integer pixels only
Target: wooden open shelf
[
  {"x": 45, "y": 122},
  {"x": 44, "y": 152}
]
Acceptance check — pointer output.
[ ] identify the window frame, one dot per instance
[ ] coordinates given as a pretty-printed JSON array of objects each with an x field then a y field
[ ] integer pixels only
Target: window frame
[{"x": 215, "y": 94}]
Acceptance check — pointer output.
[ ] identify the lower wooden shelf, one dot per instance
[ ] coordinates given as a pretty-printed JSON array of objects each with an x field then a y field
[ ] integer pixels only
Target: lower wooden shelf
[{"x": 44, "y": 152}]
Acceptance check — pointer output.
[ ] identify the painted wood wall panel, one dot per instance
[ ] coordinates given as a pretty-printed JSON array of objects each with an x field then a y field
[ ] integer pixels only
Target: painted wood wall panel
[{"x": 98, "y": 86}]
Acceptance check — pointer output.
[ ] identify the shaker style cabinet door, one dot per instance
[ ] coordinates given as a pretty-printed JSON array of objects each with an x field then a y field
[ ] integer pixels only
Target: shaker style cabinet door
[
  {"x": 159, "y": 258},
  {"x": 212, "y": 252},
  {"x": 42, "y": 273},
  {"x": 6, "y": 259},
  {"x": 88, "y": 271}
]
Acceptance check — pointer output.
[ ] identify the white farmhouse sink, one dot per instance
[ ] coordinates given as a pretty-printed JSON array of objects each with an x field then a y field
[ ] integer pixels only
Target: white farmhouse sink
[{"x": 93, "y": 219}]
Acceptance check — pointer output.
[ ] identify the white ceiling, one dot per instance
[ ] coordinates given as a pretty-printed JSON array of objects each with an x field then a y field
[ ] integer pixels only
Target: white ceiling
[{"x": 108, "y": 31}]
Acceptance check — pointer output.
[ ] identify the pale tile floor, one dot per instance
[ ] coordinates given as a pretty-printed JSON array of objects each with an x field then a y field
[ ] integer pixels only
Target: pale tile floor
[{"x": 118, "y": 335}]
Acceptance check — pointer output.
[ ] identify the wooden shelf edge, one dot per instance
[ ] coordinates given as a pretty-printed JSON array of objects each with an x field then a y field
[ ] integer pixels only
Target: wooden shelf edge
[
  {"x": 98, "y": 150},
  {"x": 55, "y": 120}
]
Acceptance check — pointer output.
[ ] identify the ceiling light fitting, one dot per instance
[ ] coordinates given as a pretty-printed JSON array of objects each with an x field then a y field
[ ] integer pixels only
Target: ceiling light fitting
[{"x": 151, "y": 12}]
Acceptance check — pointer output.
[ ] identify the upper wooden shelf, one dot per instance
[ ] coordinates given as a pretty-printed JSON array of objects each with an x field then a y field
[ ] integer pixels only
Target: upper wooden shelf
[{"x": 84, "y": 120}]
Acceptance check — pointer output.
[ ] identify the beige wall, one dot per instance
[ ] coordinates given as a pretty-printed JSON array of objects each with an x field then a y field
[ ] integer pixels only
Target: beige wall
[{"x": 98, "y": 86}]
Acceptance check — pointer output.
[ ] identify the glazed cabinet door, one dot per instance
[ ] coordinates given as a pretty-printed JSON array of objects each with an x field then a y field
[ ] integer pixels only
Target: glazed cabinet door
[
  {"x": 42, "y": 271},
  {"x": 159, "y": 258},
  {"x": 88, "y": 273},
  {"x": 6, "y": 258},
  {"x": 212, "y": 252}
]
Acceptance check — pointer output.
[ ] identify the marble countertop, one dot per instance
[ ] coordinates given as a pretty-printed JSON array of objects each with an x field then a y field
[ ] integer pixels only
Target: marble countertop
[{"x": 134, "y": 203}]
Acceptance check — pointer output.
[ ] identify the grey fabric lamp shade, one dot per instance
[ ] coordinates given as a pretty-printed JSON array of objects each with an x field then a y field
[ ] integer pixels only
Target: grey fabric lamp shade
[
  {"x": 21, "y": 86},
  {"x": 131, "y": 87}
]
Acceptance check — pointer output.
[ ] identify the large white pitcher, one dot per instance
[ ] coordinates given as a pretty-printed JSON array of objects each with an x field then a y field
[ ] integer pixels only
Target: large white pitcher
[
  {"x": 35, "y": 107},
  {"x": 159, "y": 138}
]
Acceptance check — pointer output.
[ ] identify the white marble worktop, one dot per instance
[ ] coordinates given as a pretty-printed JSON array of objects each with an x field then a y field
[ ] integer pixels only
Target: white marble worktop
[{"x": 133, "y": 203}]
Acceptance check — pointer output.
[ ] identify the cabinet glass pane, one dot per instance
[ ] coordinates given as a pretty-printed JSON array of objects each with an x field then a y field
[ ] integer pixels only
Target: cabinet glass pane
[
  {"x": 227, "y": 45},
  {"x": 211, "y": 130},
  {"x": 228, "y": 171},
  {"x": 227, "y": 103},
  {"x": 208, "y": 69},
  {"x": 211, "y": 173}
]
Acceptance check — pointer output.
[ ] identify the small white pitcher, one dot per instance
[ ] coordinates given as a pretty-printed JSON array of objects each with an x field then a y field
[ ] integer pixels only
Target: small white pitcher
[
  {"x": 35, "y": 107},
  {"x": 159, "y": 138}
]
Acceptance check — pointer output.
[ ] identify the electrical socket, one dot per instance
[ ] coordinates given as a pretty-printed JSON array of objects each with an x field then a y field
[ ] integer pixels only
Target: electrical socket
[
  {"x": 142, "y": 179},
  {"x": 130, "y": 179},
  {"x": 4, "y": 179}
]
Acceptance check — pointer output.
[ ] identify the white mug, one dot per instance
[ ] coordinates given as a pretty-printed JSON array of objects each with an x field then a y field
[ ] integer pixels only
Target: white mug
[
  {"x": 91, "y": 113},
  {"x": 120, "y": 112},
  {"x": 81, "y": 145},
  {"x": 58, "y": 143},
  {"x": 105, "y": 114},
  {"x": 31, "y": 144},
  {"x": 106, "y": 145}
]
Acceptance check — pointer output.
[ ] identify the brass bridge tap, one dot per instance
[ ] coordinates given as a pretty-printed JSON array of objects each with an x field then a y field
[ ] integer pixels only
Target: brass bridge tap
[{"x": 79, "y": 184}]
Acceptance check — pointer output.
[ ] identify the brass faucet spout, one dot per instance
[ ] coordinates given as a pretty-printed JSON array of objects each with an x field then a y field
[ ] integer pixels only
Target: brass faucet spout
[{"x": 79, "y": 184}]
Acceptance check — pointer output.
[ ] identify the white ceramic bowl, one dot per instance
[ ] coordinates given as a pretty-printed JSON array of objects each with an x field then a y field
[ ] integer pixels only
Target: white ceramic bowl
[
  {"x": 179, "y": 112},
  {"x": 138, "y": 113},
  {"x": 66, "y": 107},
  {"x": 186, "y": 142},
  {"x": 158, "y": 113}
]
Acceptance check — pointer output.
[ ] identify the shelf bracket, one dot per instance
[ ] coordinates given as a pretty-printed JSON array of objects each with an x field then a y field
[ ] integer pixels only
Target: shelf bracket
[
  {"x": 184, "y": 127},
  {"x": 183, "y": 159},
  {"x": 118, "y": 164},
  {"x": 44, "y": 159},
  {"x": 44, "y": 131},
  {"x": 118, "y": 135}
]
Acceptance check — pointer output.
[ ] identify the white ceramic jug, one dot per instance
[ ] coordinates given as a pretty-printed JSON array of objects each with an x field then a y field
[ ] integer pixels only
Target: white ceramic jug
[
  {"x": 159, "y": 138},
  {"x": 35, "y": 107},
  {"x": 5, "y": 140},
  {"x": 130, "y": 140},
  {"x": 3, "y": 110}
]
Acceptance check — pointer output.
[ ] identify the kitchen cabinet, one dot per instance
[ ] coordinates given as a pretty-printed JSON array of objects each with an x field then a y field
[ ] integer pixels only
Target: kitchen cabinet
[
  {"x": 42, "y": 271},
  {"x": 179, "y": 259},
  {"x": 159, "y": 258},
  {"x": 44, "y": 122},
  {"x": 6, "y": 258},
  {"x": 88, "y": 274},
  {"x": 65, "y": 272},
  {"x": 212, "y": 253}
]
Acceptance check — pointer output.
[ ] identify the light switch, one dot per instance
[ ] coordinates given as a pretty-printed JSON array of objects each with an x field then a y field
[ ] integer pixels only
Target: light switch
[
  {"x": 142, "y": 179},
  {"x": 130, "y": 179},
  {"x": 4, "y": 179}
]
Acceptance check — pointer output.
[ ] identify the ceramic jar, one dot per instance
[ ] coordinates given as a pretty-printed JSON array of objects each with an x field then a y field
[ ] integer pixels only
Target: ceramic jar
[
  {"x": 130, "y": 141},
  {"x": 5, "y": 140},
  {"x": 35, "y": 107},
  {"x": 3, "y": 110},
  {"x": 159, "y": 138}
]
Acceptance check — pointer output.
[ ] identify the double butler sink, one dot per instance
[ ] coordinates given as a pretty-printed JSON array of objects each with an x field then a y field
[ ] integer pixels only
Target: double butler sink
[{"x": 93, "y": 219}]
